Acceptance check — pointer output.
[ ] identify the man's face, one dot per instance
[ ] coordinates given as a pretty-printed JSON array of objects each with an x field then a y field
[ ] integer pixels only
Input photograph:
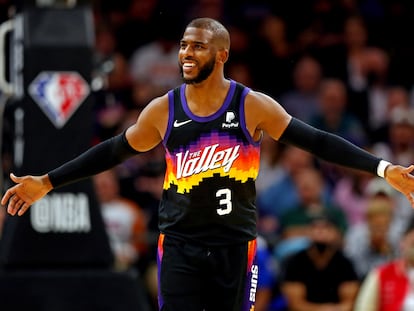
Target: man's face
[
  {"x": 324, "y": 232},
  {"x": 197, "y": 55}
]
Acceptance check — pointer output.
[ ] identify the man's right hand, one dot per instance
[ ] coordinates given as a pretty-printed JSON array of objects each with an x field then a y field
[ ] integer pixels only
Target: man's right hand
[{"x": 28, "y": 189}]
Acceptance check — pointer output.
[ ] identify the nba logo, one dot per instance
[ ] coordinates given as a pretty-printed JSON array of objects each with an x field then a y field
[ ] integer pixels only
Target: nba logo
[{"x": 59, "y": 94}]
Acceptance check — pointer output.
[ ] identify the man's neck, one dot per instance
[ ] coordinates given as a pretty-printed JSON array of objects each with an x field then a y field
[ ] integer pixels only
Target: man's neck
[{"x": 207, "y": 97}]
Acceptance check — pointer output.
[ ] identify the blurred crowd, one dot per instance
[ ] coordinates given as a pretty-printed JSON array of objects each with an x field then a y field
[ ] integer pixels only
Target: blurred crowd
[{"x": 341, "y": 65}]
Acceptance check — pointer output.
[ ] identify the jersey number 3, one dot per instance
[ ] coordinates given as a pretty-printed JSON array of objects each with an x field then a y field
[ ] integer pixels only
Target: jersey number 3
[{"x": 225, "y": 203}]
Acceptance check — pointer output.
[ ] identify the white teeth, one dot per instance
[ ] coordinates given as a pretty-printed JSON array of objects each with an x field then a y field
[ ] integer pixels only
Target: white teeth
[{"x": 188, "y": 65}]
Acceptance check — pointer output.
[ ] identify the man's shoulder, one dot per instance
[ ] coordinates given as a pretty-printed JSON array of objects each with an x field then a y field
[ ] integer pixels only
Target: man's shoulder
[{"x": 159, "y": 100}]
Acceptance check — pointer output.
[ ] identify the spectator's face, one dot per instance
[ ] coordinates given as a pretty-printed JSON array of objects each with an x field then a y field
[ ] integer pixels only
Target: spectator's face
[
  {"x": 295, "y": 159},
  {"x": 397, "y": 97},
  {"x": 106, "y": 186},
  {"x": 324, "y": 232},
  {"x": 307, "y": 75},
  {"x": 333, "y": 100},
  {"x": 309, "y": 186},
  {"x": 355, "y": 33},
  {"x": 378, "y": 225},
  {"x": 401, "y": 135}
]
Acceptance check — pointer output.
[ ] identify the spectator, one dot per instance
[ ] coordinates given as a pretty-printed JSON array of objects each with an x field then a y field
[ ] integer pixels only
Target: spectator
[
  {"x": 108, "y": 61},
  {"x": 111, "y": 84},
  {"x": 397, "y": 97},
  {"x": 310, "y": 186},
  {"x": 302, "y": 100},
  {"x": 295, "y": 222},
  {"x": 271, "y": 203},
  {"x": 320, "y": 277},
  {"x": 334, "y": 116},
  {"x": 124, "y": 220},
  {"x": 401, "y": 137},
  {"x": 270, "y": 170},
  {"x": 390, "y": 286},
  {"x": 153, "y": 66},
  {"x": 349, "y": 194},
  {"x": 376, "y": 73},
  {"x": 274, "y": 51},
  {"x": 242, "y": 47},
  {"x": 348, "y": 64},
  {"x": 373, "y": 242}
]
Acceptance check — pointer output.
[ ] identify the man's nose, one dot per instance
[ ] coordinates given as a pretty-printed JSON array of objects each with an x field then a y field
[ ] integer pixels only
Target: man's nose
[{"x": 188, "y": 50}]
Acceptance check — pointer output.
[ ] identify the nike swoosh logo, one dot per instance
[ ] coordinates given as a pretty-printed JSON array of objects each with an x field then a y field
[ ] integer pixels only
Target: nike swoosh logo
[{"x": 178, "y": 124}]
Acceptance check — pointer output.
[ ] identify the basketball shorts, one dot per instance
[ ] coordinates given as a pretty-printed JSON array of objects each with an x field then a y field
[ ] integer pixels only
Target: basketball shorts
[{"x": 199, "y": 278}]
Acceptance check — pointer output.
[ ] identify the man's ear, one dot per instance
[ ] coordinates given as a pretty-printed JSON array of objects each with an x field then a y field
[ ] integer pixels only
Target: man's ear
[{"x": 222, "y": 56}]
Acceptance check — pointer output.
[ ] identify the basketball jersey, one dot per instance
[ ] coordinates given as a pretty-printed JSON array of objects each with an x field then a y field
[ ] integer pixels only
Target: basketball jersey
[{"x": 212, "y": 163}]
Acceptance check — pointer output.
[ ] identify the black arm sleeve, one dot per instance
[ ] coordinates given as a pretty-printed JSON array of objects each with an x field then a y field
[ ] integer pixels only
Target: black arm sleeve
[
  {"x": 97, "y": 159},
  {"x": 329, "y": 147}
]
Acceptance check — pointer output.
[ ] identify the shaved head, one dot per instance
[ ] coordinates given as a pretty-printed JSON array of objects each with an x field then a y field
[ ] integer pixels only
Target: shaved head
[{"x": 221, "y": 36}]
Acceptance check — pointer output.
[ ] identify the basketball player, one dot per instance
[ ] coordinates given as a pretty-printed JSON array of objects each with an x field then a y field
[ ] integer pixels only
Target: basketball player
[{"x": 211, "y": 129}]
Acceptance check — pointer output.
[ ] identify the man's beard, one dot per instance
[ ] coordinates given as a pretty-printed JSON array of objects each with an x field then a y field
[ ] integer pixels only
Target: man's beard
[{"x": 204, "y": 73}]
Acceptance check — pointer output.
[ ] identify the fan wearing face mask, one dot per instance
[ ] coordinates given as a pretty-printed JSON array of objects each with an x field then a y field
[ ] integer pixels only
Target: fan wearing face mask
[
  {"x": 320, "y": 277},
  {"x": 391, "y": 286}
]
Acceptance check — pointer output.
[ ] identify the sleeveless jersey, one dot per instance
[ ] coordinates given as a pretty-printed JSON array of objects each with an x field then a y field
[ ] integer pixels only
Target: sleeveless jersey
[{"x": 212, "y": 163}]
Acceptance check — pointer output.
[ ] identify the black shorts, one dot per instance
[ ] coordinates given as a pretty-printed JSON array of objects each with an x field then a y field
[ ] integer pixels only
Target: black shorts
[{"x": 197, "y": 278}]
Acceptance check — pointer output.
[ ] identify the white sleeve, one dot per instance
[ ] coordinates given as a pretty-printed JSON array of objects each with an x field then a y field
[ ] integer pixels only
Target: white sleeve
[{"x": 367, "y": 298}]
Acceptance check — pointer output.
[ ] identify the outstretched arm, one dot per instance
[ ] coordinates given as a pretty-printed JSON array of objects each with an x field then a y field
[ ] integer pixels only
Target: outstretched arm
[
  {"x": 101, "y": 157},
  {"x": 142, "y": 136},
  {"x": 337, "y": 150},
  {"x": 264, "y": 113}
]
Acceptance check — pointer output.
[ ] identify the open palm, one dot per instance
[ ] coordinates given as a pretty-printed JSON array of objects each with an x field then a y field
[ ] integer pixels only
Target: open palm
[{"x": 28, "y": 189}]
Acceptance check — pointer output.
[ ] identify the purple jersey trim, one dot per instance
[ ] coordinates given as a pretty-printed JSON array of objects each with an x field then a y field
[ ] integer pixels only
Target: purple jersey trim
[
  {"x": 225, "y": 105},
  {"x": 243, "y": 118},
  {"x": 170, "y": 115}
]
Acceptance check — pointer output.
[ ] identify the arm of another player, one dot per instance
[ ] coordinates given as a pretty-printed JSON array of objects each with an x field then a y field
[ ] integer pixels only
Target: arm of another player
[
  {"x": 264, "y": 113},
  {"x": 140, "y": 137}
]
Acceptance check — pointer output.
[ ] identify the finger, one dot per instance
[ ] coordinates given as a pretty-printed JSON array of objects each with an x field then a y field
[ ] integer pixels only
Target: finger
[
  {"x": 13, "y": 205},
  {"x": 23, "y": 209},
  {"x": 11, "y": 209},
  {"x": 409, "y": 169},
  {"x": 19, "y": 203},
  {"x": 8, "y": 195},
  {"x": 410, "y": 198},
  {"x": 15, "y": 178}
]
